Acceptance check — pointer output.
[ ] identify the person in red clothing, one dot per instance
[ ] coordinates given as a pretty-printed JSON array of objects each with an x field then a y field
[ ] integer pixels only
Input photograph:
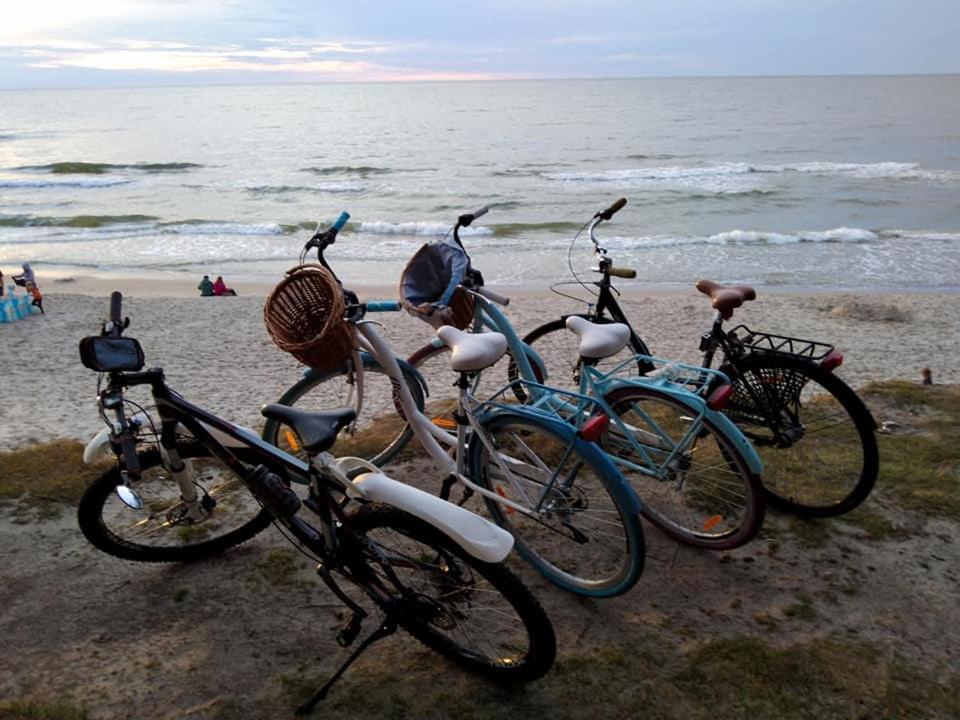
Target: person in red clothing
[{"x": 220, "y": 287}]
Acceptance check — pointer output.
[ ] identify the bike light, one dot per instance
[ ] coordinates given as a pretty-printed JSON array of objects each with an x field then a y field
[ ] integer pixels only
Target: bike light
[
  {"x": 720, "y": 397},
  {"x": 594, "y": 428},
  {"x": 832, "y": 361}
]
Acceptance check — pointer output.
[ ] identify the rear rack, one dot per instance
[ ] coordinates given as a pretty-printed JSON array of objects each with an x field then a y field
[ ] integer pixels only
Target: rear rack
[{"x": 779, "y": 344}]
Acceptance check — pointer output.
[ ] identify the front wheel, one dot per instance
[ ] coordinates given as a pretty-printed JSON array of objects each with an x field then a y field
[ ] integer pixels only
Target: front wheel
[
  {"x": 814, "y": 435},
  {"x": 579, "y": 531},
  {"x": 380, "y": 431},
  {"x": 161, "y": 530},
  {"x": 691, "y": 478},
  {"x": 475, "y": 613}
]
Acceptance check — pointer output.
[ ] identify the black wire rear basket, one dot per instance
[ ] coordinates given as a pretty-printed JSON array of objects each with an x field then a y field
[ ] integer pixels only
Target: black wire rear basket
[{"x": 779, "y": 344}]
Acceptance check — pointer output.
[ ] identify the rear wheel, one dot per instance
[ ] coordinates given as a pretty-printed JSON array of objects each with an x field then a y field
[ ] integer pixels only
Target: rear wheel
[
  {"x": 161, "y": 531},
  {"x": 814, "y": 435},
  {"x": 475, "y": 613},
  {"x": 581, "y": 533},
  {"x": 380, "y": 431},
  {"x": 692, "y": 480}
]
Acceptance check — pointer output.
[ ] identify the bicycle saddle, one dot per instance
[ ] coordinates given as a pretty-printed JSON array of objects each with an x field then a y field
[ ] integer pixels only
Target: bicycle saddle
[
  {"x": 596, "y": 340},
  {"x": 317, "y": 429},
  {"x": 472, "y": 351},
  {"x": 726, "y": 297}
]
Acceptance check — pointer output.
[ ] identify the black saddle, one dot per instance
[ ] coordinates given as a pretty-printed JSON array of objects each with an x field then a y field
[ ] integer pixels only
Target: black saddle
[{"x": 317, "y": 429}]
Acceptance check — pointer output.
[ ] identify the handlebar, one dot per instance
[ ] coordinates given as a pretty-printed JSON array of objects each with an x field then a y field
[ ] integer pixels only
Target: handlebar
[
  {"x": 382, "y": 305},
  {"x": 612, "y": 210},
  {"x": 628, "y": 273},
  {"x": 116, "y": 300},
  {"x": 467, "y": 218},
  {"x": 491, "y": 295}
]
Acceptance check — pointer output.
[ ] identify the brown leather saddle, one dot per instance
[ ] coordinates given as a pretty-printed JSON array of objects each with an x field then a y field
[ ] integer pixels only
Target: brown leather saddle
[{"x": 726, "y": 297}]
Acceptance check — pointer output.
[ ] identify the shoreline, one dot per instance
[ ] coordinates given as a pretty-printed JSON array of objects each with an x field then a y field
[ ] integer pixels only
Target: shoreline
[{"x": 160, "y": 286}]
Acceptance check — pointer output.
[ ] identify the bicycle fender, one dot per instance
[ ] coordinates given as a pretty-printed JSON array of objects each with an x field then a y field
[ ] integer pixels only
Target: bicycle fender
[
  {"x": 479, "y": 537},
  {"x": 368, "y": 362},
  {"x": 623, "y": 493}
]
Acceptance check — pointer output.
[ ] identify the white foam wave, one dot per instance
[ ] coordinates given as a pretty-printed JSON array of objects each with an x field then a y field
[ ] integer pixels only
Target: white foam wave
[
  {"x": 652, "y": 173},
  {"x": 73, "y": 182},
  {"x": 745, "y": 237},
  {"x": 867, "y": 171},
  {"x": 211, "y": 228},
  {"x": 418, "y": 228}
]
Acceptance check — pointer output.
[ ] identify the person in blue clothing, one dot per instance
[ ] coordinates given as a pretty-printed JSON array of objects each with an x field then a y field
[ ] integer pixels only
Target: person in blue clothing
[{"x": 205, "y": 287}]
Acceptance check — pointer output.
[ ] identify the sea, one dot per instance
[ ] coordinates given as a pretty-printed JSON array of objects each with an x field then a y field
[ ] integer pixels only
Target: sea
[{"x": 796, "y": 182}]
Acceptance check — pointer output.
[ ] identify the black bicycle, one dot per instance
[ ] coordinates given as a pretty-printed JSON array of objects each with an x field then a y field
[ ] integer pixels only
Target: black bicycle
[
  {"x": 199, "y": 484},
  {"x": 814, "y": 434}
]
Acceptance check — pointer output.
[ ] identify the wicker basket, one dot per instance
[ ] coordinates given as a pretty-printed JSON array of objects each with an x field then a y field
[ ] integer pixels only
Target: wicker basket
[
  {"x": 423, "y": 281},
  {"x": 304, "y": 317}
]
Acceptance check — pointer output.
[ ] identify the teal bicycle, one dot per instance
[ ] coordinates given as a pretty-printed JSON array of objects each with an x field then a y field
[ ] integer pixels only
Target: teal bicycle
[{"x": 696, "y": 474}]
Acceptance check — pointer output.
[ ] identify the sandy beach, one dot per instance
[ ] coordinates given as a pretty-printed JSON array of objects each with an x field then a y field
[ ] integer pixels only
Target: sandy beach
[{"x": 217, "y": 353}]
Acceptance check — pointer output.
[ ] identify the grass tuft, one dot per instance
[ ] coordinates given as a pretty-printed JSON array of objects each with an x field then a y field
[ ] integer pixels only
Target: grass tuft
[{"x": 42, "y": 478}]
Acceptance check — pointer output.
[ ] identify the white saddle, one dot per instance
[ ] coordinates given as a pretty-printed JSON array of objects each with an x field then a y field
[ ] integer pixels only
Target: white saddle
[
  {"x": 596, "y": 340},
  {"x": 472, "y": 351}
]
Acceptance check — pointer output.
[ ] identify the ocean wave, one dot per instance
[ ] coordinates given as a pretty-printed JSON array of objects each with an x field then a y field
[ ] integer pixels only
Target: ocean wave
[
  {"x": 88, "y": 168},
  {"x": 745, "y": 237},
  {"x": 361, "y": 170},
  {"x": 98, "y": 182},
  {"x": 418, "y": 228},
  {"x": 866, "y": 171},
  {"x": 76, "y": 221},
  {"x": 329, "y": 187},
  {"x": 210, "y": 227}
]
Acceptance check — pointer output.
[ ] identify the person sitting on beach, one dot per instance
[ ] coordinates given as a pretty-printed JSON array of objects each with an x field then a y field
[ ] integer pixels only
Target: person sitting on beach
[
  {"x": 34, "y": 292},
  {"x": 205, "y": 287},
  {"x": 220, "y": 288},
  {"x": 26, "y": 276}
]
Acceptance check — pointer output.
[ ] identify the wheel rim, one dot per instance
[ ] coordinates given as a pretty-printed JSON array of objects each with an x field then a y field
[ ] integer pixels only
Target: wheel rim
[
  {"x": 453, "y": 601},
  {"x": 694, "y": 486},
  {"x": 162, "y": 522},
  {"x": 810, "y": 446},
  {"x": 579, "y": 532}
]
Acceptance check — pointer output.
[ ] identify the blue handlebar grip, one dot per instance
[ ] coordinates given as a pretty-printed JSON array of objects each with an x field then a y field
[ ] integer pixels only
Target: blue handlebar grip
[
  {"x": 341, "y": 221},
  {"x": 382, "y": 306}
]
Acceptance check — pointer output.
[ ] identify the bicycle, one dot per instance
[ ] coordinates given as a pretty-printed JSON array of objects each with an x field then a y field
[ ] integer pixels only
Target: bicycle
[
  {"x": 708, "y": 503},
  {"x": 572, "y": 515},
  {"x": 200, "y": 484},
  {"x": 814, "y": 434},
  {"x": 695, "y": 472}
]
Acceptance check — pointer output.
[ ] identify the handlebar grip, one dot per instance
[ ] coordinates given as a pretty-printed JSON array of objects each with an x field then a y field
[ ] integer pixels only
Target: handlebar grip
[
  {"x": 341, "y": 221},
  {"x": 467, "y": 218},
  {"x": 116, "y": 302},
  {"x": 382, "y": 306},
  {"x": 491, "y": 295},
  {"x": 628, "y": 273},
  {"x": 613, "y": 209},
  {"x": 481, "y": 212}
]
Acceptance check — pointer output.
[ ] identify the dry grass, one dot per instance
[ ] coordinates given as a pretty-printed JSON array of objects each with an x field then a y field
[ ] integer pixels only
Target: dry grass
[{"x": 42, "y": 479}]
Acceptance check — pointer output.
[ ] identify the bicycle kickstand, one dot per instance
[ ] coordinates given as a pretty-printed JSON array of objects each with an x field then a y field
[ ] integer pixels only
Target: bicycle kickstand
[{"x": 387, "y": 627}]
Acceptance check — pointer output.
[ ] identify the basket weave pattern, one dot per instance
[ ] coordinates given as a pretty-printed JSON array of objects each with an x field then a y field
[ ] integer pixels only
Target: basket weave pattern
[{"x": 304, "y": 317}]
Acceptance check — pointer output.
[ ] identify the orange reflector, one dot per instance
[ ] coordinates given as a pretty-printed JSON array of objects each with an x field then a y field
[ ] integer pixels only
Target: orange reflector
[
  {"x": 711, "y": 523},
  {"x": 291, "y": 438},
  {"x": 502, "y": 494},
  {"x": 445, "y": 423},
  {"x": 594, "y": 428},
  {"x": 720, "y": 397},
  {"x": 832, "y": 361}
]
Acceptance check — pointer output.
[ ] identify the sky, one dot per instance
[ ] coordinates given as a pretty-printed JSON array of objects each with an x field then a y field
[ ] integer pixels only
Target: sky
[{"x": 109, "y": 43}]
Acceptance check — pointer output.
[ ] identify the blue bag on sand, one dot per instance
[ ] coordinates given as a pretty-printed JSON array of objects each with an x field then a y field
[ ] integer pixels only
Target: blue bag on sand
[{"x": 6, "y": 313}]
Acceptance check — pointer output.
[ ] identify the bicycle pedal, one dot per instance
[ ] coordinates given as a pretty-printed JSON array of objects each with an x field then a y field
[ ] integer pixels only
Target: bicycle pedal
[{"x": 348, "y": 633}]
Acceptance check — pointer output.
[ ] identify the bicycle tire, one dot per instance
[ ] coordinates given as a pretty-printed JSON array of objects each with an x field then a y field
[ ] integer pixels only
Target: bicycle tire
[
  {"x": 593, "y": 510},
  {"x": 381, "y": 433},
  {"x": 439, "y": 618},
  {"x": 705, "y": 496},
  {"x": 101, "y": 509},
  {"x": 786, "y": 406}
]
